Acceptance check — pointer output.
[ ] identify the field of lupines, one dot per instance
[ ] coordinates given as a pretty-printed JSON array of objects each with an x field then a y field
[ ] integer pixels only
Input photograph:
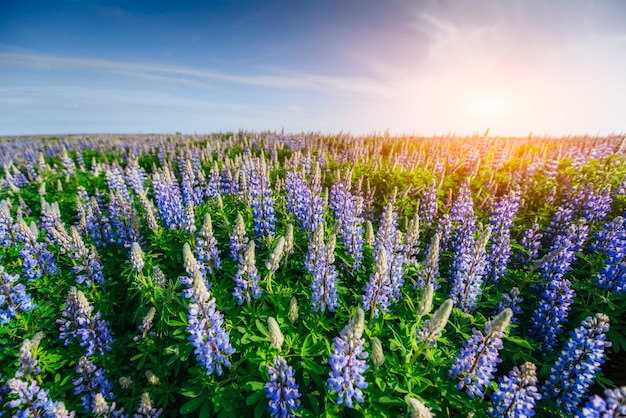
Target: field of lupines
[{"x": 261, "y": 274}]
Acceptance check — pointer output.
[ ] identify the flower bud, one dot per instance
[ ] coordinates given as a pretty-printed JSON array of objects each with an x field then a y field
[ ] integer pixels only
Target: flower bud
[
  {"x": 426, "y": 303},
  {"x": 276, "y": 336},
  {"x": 418, "y": 409},
  {"x": 378, "y": 357},
  {"x": 293, "y": 310}
]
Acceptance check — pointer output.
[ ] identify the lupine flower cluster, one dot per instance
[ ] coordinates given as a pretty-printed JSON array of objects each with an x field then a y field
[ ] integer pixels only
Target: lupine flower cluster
[
  {"x": 517, "y": 393},
  {"x": 468, "y": 269},
  {"x": 433, "y": 327},
  {"x": 93, "y": 386},
  {"x": 501, "y": 221},
  {"x": 207, "y": 253},
  {"x": 13, "y": 297},
  {"x": 31, "y": 400},
  {"x": 348, "y": 209},
  {"x": 512, "y": 300},
  {"x": 207, "y": 335},
  {"x": 428, "y": 205},
  {"x": 611, "y": 406},
  {"x": 262, "y": 200},
  {"x": 575, "y": 368},
  {"x": 78, "y": 323},
  {"x": 347, "y": 363},
  {"x": 247, "y": 277},
  {"x": 238, "y": 240},
  {"x": 281, "y": 389},
  {"x": 475, "y": 364},
  {"x": 303, "y": 201},
  {"x": 612, "y": 242},
  {"x": 37, "y": 259},
  {"x": 168, "y": 199},
  {"x": 324, "y": 286},
  {"x": 531, "y": 242}
]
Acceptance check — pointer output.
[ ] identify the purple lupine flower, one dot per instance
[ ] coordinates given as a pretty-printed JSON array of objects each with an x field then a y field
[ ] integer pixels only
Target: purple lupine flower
[
  {"x": 390, "y": 239},
  {"x": 247, "y": 277},
  {"x": 468, "y": 269},
  {"x": 611, "y": 406},
  {"x": 36, "y": 258},
  {"x": 531, "y": 242},
  {"x": 430, "y": 267},
  {"x": 613, "y": 274},
  {"x": 575, "y": 369},
  {"x": 8, "y": 228},
  {"x": 303, "y": 202},
  {"x": 116, "y": 183},
  {"x": 611, "y": 232},
  {"x": 347, "y": 363},
  {"x": 512, "y": 300},
  {"x": 168, "y": 199},
  {"x": 238, "y": 240},
  {"x": 320, "y": 263},
  {"x": 444, "y": 230},
  {"x": 428, "y": 205},
  {"x": 281, "y": 389},
  {"x": 556, "y": 299},
  {"x": 213, "y": 185},
  {"x": 189, "y": 220},
  {"x": 206, "y": 332},
  {"x": 28, "y": 363},
  {"x": 135, "y": 176},
  {"x": 69, "y": 168},
  {"x": 412, "y": 240},
  {"x": 91, "y": 381},
  {"x": 98, "y": 225},
  {"x": 32, "y": 400},
  {"x": 378, "y": 289},
  {"x": 596, "y": 206},
  {"x": 189, "y": 185},
  {"x": 501, "y": 221},
  {"x": 475, "y": 364},
  {"x": 348, "y": 209},
  {"x": 262, "y": 201},
  {"x": 207, "y": 253},
  {"x": 149, "y": 211},
  {"x": 13, "y": 297},
  {"x": 123, "y": 220},
  {"x": 145, "y": 409},
  {"x": 92, "y": 332},
  {"x": 516, "y": 394}
]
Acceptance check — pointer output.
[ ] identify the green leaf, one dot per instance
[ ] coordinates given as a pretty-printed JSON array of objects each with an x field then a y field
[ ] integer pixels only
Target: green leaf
[
  {"x": 254, "y": 386},
  {"x": 192, "y": 405},
  {"x": 519, "y": 341}
]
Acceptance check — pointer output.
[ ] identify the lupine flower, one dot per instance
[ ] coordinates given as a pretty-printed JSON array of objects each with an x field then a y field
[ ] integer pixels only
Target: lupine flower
[
  {"x": 91, "y": 381},
  {"x": 289, "y": 243},
  {"x": 516, "y": 394},
  {"x": 369, "y": 233},
  {"x": 282, "y": 389},
  {"x": 247, "y": 277},
  {"x": 28, "y": 363},
  {"x": 189, "y": 221},
  {"x": 158, "y": 277},
  {"x": 206, "y": 333},
  {"x": 207, "y": 253},
  {"x": 348, "y": 209},
  {"x": 428, "y": 205},
  {"x": 501, "y": 221},
  {"x": 378, "y": 289},
  {"x": 610, "y": 233},
  {"x": 475, "y": 364},
  {"x": 276, "y": 336},
  {"x": 429, "y": 272},
  {"x": 262, "y": 201},
  {"x": 274, "y": 261},
  {"x": 152, "y": 378},
  {"x": 149, "y": 211},
  {"x": 512, "y": 300},
  {"x": 531, "y": 242},
  {"x": 92, "y": 332},
  {"x": 613, "y": 405},
  {"x": 434, "y": 326},
  {"x": 146, "y": 323},
  {"x": 347, "y": 363},
  {"x": 101, "y": 407},
  {"x": 32, "y": 400},
  {"x": 575, "y": 368},
  {"x": 36, "y": 258},
  {"x": 418, "y": 409},
  {"x": 146, "y": 410},
  {"x": 324, "y": 285},
  {"x": 554, "y": 304},
  {"x": 303, "y": 202},
  {"x": 136, "y": 257},
  {"x": 238, "y": 240},
  {"x": 168, "y": 199},
  {"x": 467, "y": 271},
  {"x": 13, "y": 297},
  {"x": 60, "y": 411},
  {"x": 411, "y": 240}
]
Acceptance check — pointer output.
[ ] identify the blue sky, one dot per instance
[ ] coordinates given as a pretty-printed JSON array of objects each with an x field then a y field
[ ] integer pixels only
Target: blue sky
[{"x": 421, "y": 66}]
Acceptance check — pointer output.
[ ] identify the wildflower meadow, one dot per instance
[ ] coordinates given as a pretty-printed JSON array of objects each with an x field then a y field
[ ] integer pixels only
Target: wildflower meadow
[{"x": 263, "y": 274}]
